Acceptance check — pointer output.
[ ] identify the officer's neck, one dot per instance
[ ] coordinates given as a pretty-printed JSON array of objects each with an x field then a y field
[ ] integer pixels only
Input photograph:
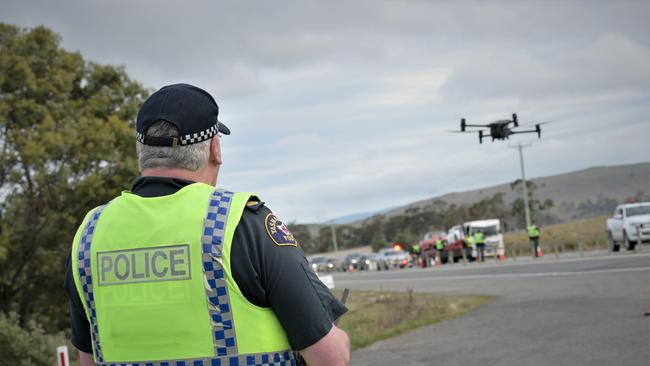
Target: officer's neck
[{"x": 204, "y": 175}]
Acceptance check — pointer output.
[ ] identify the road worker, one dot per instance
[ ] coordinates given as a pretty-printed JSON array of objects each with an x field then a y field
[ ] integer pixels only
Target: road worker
[
  {"x": 533, "y": 236},
  {"x": 469, "y": 246},
  {"x": 440, "y": 247},
  {"x": 479, "y": 240}
]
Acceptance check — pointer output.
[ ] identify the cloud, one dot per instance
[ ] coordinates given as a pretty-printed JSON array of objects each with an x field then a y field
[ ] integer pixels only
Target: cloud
[{"x": 342, "y": 107}]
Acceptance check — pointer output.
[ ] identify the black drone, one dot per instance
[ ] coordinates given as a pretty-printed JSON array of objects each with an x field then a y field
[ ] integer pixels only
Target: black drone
[{"x": 500, "y": 130}]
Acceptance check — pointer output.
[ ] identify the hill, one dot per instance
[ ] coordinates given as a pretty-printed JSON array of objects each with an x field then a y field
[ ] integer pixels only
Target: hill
[{"x": 583, "y": 193}]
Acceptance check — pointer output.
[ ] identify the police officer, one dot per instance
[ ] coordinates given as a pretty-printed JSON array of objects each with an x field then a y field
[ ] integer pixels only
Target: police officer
[
  {"x": 178, "y": 272},
  {"x": 415, "y": 252},
  {"x": 479, "y": 240},
  {"x": 533, "y": 236},
  {"x": 440, "y": 246},
  {"x": 469, "y": 246}
]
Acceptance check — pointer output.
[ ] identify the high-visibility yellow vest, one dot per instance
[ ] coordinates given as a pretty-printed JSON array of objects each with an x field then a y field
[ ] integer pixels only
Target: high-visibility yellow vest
[
  {"x": 533, "y": 231},
  {"x": 439, "y": 245},
  {"x": 479, "y": 238},
  {"x": 469, "y": 241},
  {"x": 155, "y": 280}
]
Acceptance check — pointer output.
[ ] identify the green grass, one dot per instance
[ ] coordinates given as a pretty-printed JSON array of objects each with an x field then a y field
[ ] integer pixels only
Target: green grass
[
  {"x": 374, "y": 316},
  {"x": 587, "y": 234}
]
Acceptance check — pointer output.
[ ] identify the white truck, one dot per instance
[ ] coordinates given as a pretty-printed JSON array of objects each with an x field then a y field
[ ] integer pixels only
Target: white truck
[
  {"x": 629, "y": 222},
  {"x": 493, "y": 237}
]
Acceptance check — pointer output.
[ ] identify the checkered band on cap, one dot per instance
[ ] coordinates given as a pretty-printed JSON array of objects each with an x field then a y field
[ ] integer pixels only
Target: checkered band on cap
[{"x": 188, "y": 139}]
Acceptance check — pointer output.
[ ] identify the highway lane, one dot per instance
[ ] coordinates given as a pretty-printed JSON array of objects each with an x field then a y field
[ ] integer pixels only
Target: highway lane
[{"x": 581, "y": 311}]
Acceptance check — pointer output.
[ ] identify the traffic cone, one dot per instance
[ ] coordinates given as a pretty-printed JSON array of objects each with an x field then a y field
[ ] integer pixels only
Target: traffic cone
[{"x": 539, "y": 252}]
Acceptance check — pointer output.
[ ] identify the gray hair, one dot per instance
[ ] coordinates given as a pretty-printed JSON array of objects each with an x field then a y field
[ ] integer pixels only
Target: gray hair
[{"x": 191, "y": 157}]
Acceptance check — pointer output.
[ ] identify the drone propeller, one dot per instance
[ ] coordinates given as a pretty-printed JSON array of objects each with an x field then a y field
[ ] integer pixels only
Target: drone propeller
[{"x": 532, "y": 125}]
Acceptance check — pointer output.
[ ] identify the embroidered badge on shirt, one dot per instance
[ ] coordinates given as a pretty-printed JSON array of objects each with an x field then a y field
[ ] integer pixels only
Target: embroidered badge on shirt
[{"x": 279, "y": 232}]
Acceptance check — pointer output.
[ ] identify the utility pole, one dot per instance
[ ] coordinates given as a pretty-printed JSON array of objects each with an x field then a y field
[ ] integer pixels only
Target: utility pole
[
  {"x": 336, "y": 246},
  {"x": 523, "y": 180}
]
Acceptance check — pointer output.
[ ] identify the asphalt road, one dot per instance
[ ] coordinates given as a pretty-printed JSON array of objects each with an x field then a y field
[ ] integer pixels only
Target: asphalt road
[{"x": 575, "y": 311}]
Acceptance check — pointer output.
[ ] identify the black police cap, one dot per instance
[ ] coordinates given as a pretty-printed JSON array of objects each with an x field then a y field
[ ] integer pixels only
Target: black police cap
[{"x": 192, "y": 110}]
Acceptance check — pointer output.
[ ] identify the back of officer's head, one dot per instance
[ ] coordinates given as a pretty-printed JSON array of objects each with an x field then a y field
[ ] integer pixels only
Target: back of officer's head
[
  {"x": 191, "y": 157},
  {"x": 175, "y": 126}
]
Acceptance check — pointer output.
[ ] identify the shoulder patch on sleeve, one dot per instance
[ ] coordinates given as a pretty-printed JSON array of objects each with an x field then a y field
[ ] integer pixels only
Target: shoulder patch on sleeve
[{"x": 279, "y": 232}]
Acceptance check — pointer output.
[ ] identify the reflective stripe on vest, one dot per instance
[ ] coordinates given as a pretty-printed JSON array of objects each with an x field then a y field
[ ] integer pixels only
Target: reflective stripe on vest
[
  {"x": 85, "y": 275},
  {"x": 216, "y": 291}
]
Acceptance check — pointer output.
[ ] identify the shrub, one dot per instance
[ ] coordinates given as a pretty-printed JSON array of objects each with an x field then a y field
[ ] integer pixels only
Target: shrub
[{"x": 27, "y": 345}]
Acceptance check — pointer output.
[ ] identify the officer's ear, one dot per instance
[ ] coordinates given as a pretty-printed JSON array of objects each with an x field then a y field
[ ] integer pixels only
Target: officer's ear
[
  {"x": 215, "y": 150},
  {"x": 137, "y": 149}
]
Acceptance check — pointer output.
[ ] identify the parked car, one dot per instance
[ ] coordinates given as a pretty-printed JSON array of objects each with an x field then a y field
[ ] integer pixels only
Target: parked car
[
  {"x": 324, "y": 264},
  {"x": 334, "y": 264},
  {"x": 318, "y": 264},
  {"x": 382, "y": 263},
  {"x": 394, "y": 258},
  {"x": 352, "y": 262},
  {"x": 368, "y": 262},
  {"x": 630, "y": 225}
]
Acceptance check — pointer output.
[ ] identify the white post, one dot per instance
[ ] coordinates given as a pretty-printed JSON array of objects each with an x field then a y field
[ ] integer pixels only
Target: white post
[
  {"x": 62, "y": 356},
  {"x": 523, "y": 181},
  {"x": 336, "y": 246}
]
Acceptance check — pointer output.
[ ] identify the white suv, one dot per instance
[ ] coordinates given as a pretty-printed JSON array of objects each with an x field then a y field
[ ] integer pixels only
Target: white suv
[{"x": 629, "y": 222}]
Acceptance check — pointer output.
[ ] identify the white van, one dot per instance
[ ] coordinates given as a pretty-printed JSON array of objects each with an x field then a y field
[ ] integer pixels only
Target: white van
[{"x": 493, "y": 237}]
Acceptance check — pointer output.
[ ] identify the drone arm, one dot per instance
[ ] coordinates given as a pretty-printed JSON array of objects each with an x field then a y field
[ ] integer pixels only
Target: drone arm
[
  {"x": 537, "y": 130},
  {"x": 530, "y": 131}
]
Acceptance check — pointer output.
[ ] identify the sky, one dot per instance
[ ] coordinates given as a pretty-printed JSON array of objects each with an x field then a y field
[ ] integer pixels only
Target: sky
[{"x": 341, "y": 107}]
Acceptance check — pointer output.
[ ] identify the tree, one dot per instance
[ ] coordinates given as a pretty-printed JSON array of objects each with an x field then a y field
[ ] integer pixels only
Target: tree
[
  {"x": 66, "y": 145},
  {"x": 539, "y": 210},
  {"x": 303, "y": 237}
]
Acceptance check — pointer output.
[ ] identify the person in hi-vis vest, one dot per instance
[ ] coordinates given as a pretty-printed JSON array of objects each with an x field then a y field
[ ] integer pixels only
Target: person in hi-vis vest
[
  {"x": 533, "y": 237},
  {"x": 178, "y": 271},
  {"x": 479, "y": 241}
]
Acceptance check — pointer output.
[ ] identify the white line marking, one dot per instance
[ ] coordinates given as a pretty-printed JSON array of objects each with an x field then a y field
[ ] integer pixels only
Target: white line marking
[
  {"x": 505, "y": 275},
  {"x": 491, "y": 264}
]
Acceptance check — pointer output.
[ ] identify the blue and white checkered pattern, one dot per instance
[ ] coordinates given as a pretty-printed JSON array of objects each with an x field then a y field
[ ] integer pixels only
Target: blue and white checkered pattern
[
  {"x": 191, "y": 138},
  {"x": 216, "y": 289},
  {"x": 285, "y": 358},
  {"x": 86, "y": 278}
]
